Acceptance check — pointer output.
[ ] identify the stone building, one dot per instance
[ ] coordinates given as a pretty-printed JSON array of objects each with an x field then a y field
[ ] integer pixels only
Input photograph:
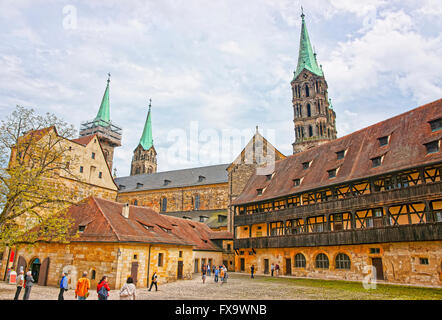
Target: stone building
[
  {"x": 118, "y": 241},
  {"x": 144, "y": 159},
  {"x": 371, "y": 200},
  {"x": 107, "y": 132},
  {"x": 314, "y": 118}
]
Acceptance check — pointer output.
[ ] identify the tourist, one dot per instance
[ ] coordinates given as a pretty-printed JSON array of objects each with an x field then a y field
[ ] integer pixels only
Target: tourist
[
  {"x": 20, "y": 283},
  {"x": 29, "y": 282},
  {"x": 216, "y": 273},
  {"x": 103, "y": 289},
  {"x": 272, "y": 268},
  {"x": 252, "y": 270},
  {"x": 154, "y": 281},
  {"x": 203, "y": 273},
  {"x": 221, "y": 274},
  {"x": 63, "y": 286},
  {"x": 277, "y": 269},
  {"x": 225, "y": 273},
  {"x": 83, "y": 286},
  {"x": 208, "y": 270},
  {"x": 213, "y": 269},
  {"x": 128, "y": 290}
]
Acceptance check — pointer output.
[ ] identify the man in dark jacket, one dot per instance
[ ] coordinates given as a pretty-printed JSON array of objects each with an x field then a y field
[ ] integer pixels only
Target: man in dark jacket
[
  {"x": 63, "y": 286},
  {"x": 252, "y": 270},
  {"x": 154, "y": 281},
  {"x": 29, "y": 283}
]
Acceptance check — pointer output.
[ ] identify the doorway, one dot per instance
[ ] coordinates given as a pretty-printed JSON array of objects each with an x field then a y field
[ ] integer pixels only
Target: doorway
[
  {"x": 134, "y": 272},
  {"x": 35, "y": 268},
  {"x": 195, "y": 267},
  {"x": 266, "y": 266},
  {"x": 180, "y": 270},
  {"x": 377, "y": 263},
  {"x": 288, "y": 266},
  {"x": 243, "y": 264}
]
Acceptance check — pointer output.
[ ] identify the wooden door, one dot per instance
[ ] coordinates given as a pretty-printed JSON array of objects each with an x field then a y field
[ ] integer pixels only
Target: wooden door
[
  {"x": 266, "y": 266},
  {"x": 21, "y": 263},
  {"x": 288, "y": 266},
  {"x": 243, "y": 263},
  {"x": 196, "y": 267},
  {"x": 180, "y": 270},
  {"x": 377, "y": 263},
  {"x": 43, "y": 275},
  {"x": 134, "y": 272}
]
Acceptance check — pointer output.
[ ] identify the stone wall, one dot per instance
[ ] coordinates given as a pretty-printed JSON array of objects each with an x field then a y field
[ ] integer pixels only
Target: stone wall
[
  {"x": 401, "y": 261},
  {"x": 212, "y": 197}
]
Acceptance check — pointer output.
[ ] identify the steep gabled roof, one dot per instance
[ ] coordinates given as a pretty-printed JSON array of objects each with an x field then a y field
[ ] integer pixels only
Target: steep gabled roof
[
  {"x": 408, "y": 133},
  {"x": 84, "y": 140}
]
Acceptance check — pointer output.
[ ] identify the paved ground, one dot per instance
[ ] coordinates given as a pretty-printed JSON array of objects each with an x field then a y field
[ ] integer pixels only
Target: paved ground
[{"x": 242, "y": 287}]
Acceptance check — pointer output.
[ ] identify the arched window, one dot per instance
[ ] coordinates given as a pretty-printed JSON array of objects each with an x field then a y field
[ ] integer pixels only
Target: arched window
[
  {"x": 310, "y": 131},
  {"x": 164, "y": 204},
  {"x": 300, "y": 261},
  {"x": 197, "y": 202},
  {"x": 342, "y": 261},
  {"x": 137, "y": 170},
  {"x": 93, "y": 274},
  {"x": 309, "y": 110},
  {"x": 321, "y": 261},
  {"x": 307, "y": 91}
]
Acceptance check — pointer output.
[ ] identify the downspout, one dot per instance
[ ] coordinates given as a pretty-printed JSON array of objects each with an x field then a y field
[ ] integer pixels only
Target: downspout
[{"x": 148, "y": 267}]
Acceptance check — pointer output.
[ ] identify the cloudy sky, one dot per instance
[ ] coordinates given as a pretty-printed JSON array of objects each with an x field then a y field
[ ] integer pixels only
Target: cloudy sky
[{"x": 213, "y": 67}]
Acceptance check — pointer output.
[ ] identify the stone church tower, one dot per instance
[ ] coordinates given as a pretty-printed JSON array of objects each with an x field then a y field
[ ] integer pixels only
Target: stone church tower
[
  {"x": 314, "y": 117},
  {"x": 144, "y": 159},
  {"x": 108, "y": 134}
]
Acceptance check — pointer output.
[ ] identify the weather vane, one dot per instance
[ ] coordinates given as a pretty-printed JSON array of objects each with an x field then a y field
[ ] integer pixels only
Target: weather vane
[{"x": 108, "y": 76}]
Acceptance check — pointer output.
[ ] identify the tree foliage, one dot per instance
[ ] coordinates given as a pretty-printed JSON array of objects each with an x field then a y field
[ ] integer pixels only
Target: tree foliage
[{"x": 34, "y": 157}]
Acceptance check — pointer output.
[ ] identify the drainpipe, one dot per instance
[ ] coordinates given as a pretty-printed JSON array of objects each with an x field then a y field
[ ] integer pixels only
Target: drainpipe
[{"x": 148, "y": 267}]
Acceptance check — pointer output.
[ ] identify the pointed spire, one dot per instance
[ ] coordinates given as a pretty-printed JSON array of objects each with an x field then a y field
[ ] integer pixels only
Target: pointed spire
[
  {"x": 103, "y": 115},
  {"x": 146, "y": 140},
  {"x": 306, "y": 58}
]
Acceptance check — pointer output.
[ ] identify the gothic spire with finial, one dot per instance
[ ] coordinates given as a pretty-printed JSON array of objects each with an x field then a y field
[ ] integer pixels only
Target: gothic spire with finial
[
  {"x": 103, "y": 115},
  {"x": 307, "y": 57},
  {"x": 146, "y": 140}
]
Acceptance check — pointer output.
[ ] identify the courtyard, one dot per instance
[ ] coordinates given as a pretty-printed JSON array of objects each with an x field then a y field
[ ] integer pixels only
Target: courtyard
[{"x": 241, "y": 287}]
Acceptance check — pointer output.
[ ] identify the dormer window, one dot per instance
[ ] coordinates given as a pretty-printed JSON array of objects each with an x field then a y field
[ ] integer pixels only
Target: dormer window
[
  {"x": 435, "y": 124},
  {"x": 383, "y": 141},
  {"x": 139, "y": 185},
  {"x": 306, "y": 165},
  {"x": 201, "y": 178},
  {"x": 81, "y": 228},
  {"x": 332, "y": 173},
  {"x": 376, "y": 162},
  {"x": 166, "y": 182},
  {"x": 432, "y": 147},
  {"x": 121, "y": 187},
  {"x": 259, "y": 191},
  {"x": 340, "y": 155},
  {"x": 296, "y": 182}
]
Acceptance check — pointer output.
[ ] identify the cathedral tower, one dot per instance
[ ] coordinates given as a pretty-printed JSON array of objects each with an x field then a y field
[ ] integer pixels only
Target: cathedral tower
[
  {"x": 144, "y": 159},
  {"x": 314, "y": 117},
  {"x": 108, "y": 134}
]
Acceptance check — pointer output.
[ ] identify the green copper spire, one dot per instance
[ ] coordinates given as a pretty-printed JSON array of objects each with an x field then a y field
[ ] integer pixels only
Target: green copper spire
[
  {"x": 146, "y": 140},
  {"x": 307, "y": 58},
  {"x": 103, "y": 115}
]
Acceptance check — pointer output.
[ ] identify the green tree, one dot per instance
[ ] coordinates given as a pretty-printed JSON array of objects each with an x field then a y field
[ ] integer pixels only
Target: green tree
[{"x": 34, "y": 156}]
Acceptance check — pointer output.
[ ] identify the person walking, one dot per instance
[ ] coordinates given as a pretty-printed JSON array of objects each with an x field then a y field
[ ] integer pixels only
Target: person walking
[
  {"x": 208, "y": 270},
  {"x": 20, "y": 283},
  {"x": 154, "y": 281},
  {"x": 272, "y": 268},
  {"x": 225, "y": 273},
  {"x": 128, "y": 290},
  {"x": 221, "y": 274},
  {"x": 63, "y": 286},
  {"x": 103, "y": 289},
  {"x": 203, "y": 273},
  {"x": 252, "y": 270},
  {"x": 83, "y": 286},
  {"x": 213, "y": 269},
  {"x": 277, "y": 269},
  {"x": 216, "y": 273},
  {"x": 29, "y": 282}
]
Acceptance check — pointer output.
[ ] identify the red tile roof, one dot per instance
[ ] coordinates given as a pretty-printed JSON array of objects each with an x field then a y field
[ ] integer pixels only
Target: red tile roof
[
  {"x": 105, "y": 223},
  {"x": 408, "y": 133},
  {"x": 84, "y": 140}
]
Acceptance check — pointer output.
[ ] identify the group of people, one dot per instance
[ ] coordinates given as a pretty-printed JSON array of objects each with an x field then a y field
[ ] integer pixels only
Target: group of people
[
  {"x": 127, "y": 291},
  {"x": 273, "y": 268},
  {"x": 219, "y": 273}
]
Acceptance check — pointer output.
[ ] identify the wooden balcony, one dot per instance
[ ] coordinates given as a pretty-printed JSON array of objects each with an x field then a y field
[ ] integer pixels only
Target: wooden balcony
[
  {"x": 416, "y": 232},
  {"x": 384, "y": 198}
]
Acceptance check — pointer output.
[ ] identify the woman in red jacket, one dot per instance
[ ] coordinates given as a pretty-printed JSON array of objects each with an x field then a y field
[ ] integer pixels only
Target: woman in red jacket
[{"x": 103, "y": 289}]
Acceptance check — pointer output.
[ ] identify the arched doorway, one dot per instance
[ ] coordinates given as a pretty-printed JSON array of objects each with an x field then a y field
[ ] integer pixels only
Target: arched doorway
[{"x": 35, "y": 268}]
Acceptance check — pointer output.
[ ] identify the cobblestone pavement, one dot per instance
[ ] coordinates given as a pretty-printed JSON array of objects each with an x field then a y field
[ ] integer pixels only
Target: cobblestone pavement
[{"x": 239, "y": 286}]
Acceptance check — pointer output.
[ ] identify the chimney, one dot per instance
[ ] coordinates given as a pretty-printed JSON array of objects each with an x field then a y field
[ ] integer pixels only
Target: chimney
[{"x": 125, "y": 212}]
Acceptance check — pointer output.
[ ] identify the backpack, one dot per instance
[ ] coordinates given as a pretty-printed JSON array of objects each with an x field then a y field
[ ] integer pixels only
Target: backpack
[
  {"x": 124, "y": 291},
  {"x": 103, "y": 291}
]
